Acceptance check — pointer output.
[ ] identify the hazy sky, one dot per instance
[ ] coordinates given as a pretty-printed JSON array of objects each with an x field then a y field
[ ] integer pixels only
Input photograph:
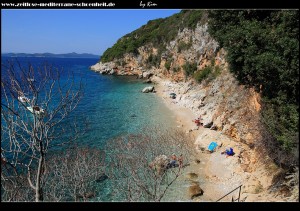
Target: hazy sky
[{"x": 65, "y": 31}]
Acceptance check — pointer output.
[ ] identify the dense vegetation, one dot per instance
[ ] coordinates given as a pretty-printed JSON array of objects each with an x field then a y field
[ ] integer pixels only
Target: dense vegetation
[
  {"x": 158, "y": 32},
  {"x": 263, "y": 51}
]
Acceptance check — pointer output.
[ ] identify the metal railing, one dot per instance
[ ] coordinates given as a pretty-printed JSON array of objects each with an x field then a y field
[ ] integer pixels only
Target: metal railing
[{"x": 233, "y": 200}]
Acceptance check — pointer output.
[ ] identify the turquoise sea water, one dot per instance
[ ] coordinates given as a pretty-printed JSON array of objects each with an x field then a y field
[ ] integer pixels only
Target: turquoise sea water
[{"x": 112, "y": 105}]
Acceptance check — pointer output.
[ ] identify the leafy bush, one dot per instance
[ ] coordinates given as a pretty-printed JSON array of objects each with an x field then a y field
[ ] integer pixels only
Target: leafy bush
[
  {"x": 263, "y": 48},
  {"x": 216, "y": 72},
  {"x": 168, "y": 64},
  {"x": 176, "y": 69},
  {"x": 203, "y": 74},
  {"x": 282, "y": 120},
  {"x": 193, "y": 19},
  {"x": 189, "y": 68},
  {"x": 213, "y": 61},
  {"x": 182, "y": 46},
  {"x": 153, "y": 60}
]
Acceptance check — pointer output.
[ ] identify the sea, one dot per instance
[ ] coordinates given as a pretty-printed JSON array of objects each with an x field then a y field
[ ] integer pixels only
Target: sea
[{"x": 111, "y": 105}]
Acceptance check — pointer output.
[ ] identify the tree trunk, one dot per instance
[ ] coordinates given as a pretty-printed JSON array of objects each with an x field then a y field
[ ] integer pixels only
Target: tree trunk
[{"x": 38, "y": 190}]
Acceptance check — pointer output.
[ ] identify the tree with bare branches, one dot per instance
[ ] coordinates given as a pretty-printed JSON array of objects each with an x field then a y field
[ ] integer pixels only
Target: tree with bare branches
[
  {"x": 73, "y": 174},
  {"x": 139, "y": 165},
  {"x": 35, "y": 104}
]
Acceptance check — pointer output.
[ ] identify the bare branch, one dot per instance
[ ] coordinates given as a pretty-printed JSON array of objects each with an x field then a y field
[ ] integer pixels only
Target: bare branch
[
  {"x": 140, "y": 167},
  {"x": 34, "y": 104}
]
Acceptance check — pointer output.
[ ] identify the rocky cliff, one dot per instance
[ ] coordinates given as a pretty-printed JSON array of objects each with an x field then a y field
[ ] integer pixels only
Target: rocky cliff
[{"x": 189, "y": 46}]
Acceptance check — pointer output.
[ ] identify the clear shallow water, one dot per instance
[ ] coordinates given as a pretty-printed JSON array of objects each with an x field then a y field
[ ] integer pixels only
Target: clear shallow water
[{"x": 113, "y": 105}]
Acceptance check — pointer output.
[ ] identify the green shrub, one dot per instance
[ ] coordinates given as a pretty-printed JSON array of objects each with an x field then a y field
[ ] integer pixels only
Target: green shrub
[
  {"x": 203, "y": 74},
  {"x": 189, "y": 68},
  {"x": 216, "y": 72},
  {"x": 282, "y": 120},
  {"x": 176, "y": 69},
  {"x": 193, "y": 19},
  {"x": 153, "y": 60},
  {"x": 213, "y": 61},
  {"x": 168, "y": 64},
  {"x": 182, "y": 46}
]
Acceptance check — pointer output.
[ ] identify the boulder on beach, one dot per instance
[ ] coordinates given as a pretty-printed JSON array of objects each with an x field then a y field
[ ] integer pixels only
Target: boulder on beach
[
  {"x": 191, "y": 176},
  {"x": 195, "y": 190},
  {"x": 148, "y": 89}
]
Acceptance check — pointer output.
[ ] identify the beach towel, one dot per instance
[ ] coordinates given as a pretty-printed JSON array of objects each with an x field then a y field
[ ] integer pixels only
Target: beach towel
[{"x": 212, "y": 146}]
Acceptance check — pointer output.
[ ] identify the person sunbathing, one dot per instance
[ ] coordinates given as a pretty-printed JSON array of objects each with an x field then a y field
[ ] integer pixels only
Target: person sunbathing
[{"x": 228, "y": 152}]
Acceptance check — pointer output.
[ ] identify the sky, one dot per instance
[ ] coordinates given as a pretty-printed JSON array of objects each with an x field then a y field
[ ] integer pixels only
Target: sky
[{"x": 66, "y": 31}]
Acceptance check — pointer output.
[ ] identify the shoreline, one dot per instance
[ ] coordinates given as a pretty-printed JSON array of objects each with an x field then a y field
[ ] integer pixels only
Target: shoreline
[
  {"x": 216, "y": 173},
  {"x": 184, "y": 117}
]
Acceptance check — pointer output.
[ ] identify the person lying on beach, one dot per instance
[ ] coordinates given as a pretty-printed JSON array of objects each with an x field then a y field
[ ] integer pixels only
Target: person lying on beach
[
  {"x": 197, "y": 121},
  {"x": 228, "y": 152},
  {"x": 173, "y": 161}
]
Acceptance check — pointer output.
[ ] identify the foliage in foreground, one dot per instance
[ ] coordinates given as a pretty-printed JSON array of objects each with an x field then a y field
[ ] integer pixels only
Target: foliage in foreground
[
  {"x": 35, "y": 105},
  {"x": 70, "y": 175}
]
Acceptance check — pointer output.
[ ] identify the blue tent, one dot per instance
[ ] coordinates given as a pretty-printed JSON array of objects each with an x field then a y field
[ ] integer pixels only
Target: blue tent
[{"x": 212, "y": 146}]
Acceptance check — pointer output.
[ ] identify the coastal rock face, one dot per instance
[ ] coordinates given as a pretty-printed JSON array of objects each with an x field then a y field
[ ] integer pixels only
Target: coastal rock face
[
  {"x": 106, "y": 68},
  {"x": 202, "y": 48},
  {"x": 147, "y": 75},
  {"x": 223, "y": 104}
]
